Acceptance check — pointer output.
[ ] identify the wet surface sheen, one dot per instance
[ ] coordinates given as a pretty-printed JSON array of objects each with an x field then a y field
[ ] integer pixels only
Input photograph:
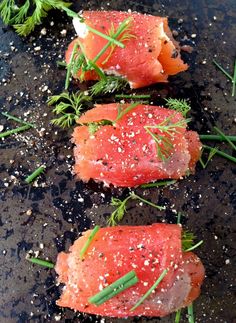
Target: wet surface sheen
[{"x": 48, "y": 217}]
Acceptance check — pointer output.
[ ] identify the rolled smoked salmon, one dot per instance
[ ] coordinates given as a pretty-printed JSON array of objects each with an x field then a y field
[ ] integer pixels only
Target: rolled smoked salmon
[
  {"x": 124, "y": 153},
  {"x": 115, "y": 251},
  {"x": 150, "y": 54}
]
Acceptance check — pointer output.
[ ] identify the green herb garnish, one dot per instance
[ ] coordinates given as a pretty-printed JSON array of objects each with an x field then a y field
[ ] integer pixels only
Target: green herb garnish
[
  {"x": 13, "y": 131},
  {"x": 179, "y": 215},
  {"x": 122, "y": 112},
  {"x": 115, "y": 288},
  {"x": 154, "y": 286},
  {"x": 220, "y": 153},
  {"x": 217, "y": 138},
  {"x": 181, "y": 106},
  {"x": 11, "y": 117},
  {"x": 158, "y": 184},
  {"x": 226, "y": 138},
  {"x": 41, "y": 262},
  {"x": 190, "y": 313},
  {"x": 231, "y": 78},
  {"x": 35, "y": 174},
  {"x": 178, "y": 316},
  {"x": 89, "y": 241},
  {"x": 120, "y": 205},
  {"x": 108, "y": 85},
  {"x": 187, "y": 241},
  {"x": 133, "y": 96},
  {"x": 165, "y": 128},
  {"x": 209, "y": 158},
  {"x": 194, "y": 246},
  {"x": 68, "y": 107}
]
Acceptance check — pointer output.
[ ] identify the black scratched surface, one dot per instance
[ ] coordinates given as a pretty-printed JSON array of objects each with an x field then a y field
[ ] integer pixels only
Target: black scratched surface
[{"x": 55, "y": 210}]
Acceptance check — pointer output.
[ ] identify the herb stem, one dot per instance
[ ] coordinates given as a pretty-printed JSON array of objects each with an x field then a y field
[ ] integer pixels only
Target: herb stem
[
  {"x": 11, "y": 117},
  {"x": 194, "y": 247},
  {"x": 142, "y": 299},
  {"x": 89, "y": 241},
  {"x": 223, "y": 70},
  {"x": 217, "y": 138},
  {"x": 35, "y": 174},
  {"x": 134, "y": 196},
  {"x": 112, "y": 40},
  {"x": 190, "y": 313},
  {"x": 69, "y": 66},
  {"x": 234, "y": 79},
  {"x": 115, "y": 288},
  {"x": 41, "y": 262},
  {"x": 221, "y": 153},
  {"x": 178, "y": 316},
  {"x": 157, "y": 184},
  {"x": 13, "y": 131},
  {"x": 226, "y": 138},
  {"x": 132, "y": 96}
]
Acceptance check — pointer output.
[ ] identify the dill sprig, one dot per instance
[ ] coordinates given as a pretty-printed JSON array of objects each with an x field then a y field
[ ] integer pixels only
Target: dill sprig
[
  {"x": 209, "y": 158},
  {"x": 35, "y": 174},
  {"x": 68, "y": 107},
  {"x": 188, "y": 241},
  {"x": 149, "y": 292},
  {"x": 120, "y": 205},
  {"x": 108, "y": 85},
  {"x": 231, "y": 78},
  {"x": 133, "y": 96},
  {"x": 123, "y": 34},
  {"x": 220, "y": 153},
  {"x": 167, "y": 130},
  {"x": 226, "y": 138},
  {"x": 181, "y": 106},
  {"x": 122, "y": 112},
  {"x": 19, "y": 16}
]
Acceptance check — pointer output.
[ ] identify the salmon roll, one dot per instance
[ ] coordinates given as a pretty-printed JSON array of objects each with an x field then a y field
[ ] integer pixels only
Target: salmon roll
[
  {"x": 150, "y": 53},
  {"x": 121, "y": 265},
  {"x": 132, "y": 144}
]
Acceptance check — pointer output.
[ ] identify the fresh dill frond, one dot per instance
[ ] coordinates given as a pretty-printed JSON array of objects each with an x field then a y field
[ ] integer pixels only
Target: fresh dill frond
[
  {"x": 123, "y": 34},
  {"x": 93, "y": 127},
  {"x": 181, "y": 106},
  {"x": 231, "y": 78},
  {"x": 209, "y": 158},
  {"x": 108, "y": 85},
  {"x": 120, "y": 205},
  {"x": 119, "y": 212},
  {"x": 187, "y": 240},
  {"x": 19, "y": 17},
  {"x": 68, "y": 107},
  {"x": 166, "y": 132},
  {"x": 122, "y": 112}
]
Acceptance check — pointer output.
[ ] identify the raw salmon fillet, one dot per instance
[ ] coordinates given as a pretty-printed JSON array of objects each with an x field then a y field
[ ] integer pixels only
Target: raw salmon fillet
[
  {"x": 124, "y": 154},
  {"x": 150, "y": 56},
  {"x": 115, "y": 251}
]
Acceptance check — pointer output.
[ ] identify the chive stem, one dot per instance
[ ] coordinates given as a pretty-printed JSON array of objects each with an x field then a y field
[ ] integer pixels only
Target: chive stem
[
  {"x": 157, "y": 184},
  {"x": 194, "y": 247},
  {"x": 41, "y": 262},
  {"x": 223, "y": 70},
  {"x": 234, "y": 79},
  {"x": 178, "y": 316},
  {"x": 13, "y": 131},
  {"x": 190, "y": 313},
  {"x": 115, "y": 288},
  {"x": 226, "y": 138},
  {"x": 35, "y": 174},
  {"x": 89, "y": 241},
  {"x": 221, "y": 153},
  {"x": 132, "y": 96},
  {"x": 142, "y": 299},
  {"x": 217, "y": 138},
  {"x": 11, "y": 117}
]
